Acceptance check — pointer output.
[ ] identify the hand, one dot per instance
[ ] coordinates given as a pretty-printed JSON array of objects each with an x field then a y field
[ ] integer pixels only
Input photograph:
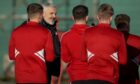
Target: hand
[{"x": 136, "y": 60}]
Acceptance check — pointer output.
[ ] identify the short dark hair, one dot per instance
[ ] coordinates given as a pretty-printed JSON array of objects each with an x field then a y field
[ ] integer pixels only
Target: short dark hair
[
  {"x": 122, "y": 26},
  {"x": 105, "y": 11},
  {"x": 80, "y": 12},
  {"x": 122, "y": 23},
  {"x": 34, "y": 9},
  {"x": 122, "y": 19}
]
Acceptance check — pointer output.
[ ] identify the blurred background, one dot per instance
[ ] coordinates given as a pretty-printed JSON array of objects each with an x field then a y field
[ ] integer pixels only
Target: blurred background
[{"x": 13, "y": 13}]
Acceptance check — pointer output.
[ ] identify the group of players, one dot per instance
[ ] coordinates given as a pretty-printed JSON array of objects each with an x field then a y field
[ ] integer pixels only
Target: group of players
[{"x": 96, "y": 54}]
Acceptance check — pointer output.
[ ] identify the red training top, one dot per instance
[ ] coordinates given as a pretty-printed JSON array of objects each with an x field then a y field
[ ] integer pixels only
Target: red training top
[
  {"x": 30, "y": 45},
  {"x": 71, "y": 48},
  {"x": 106, "y": 49}
]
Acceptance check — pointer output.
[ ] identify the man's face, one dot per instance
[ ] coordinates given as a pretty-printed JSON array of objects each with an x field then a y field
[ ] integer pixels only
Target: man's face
[{"x": 50, "y": 15}]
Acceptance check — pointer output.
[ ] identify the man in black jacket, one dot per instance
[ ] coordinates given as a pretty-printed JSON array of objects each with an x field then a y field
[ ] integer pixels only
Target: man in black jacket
[
  {"x": 129, "y": 72},
  {"x": 50, "y": 23}
]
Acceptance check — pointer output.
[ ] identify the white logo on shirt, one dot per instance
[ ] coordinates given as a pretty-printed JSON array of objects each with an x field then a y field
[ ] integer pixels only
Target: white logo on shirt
[
  {"x": 90, "y": 54},
  {"x": 40, "y": 54},
  {"x": 16, "y": 52},
  {"x": 115, "y": 56}
]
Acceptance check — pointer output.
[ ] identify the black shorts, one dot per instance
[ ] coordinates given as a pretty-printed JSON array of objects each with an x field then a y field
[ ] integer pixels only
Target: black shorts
[{"x": 91, "y": 82}]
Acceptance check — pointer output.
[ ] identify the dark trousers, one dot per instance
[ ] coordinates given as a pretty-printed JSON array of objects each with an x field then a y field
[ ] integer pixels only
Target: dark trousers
[
  {"x": 129, "y": 81},
  {"x": 49, "y": 73},
  {"x": 53, "y": 69},
  {"x": 90, "y": 82}
]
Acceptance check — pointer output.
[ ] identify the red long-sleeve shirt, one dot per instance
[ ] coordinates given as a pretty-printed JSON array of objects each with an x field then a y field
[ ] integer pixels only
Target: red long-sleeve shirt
[
  {"x": 30, "y": 45},
  {"x": 71, "y": 51},
  {"x": 106, "y": 49},
  {"x": 129, "y": 71},
  {"x": 134, "y": 41}
]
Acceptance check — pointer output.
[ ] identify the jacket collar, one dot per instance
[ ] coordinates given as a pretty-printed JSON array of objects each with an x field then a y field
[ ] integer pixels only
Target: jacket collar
[
  {"x": 49, "y": 26},
  {"x": 104, "y": 25},
  {"x": 32, "y": 23},
  {"x": 79, "y": 27}
]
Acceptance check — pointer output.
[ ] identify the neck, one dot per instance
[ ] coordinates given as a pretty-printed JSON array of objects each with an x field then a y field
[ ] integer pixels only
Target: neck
[
  {"x": 34, "y": 20},
  {"x": 104, "y": 21},
  {"x": 80, "y": 22}
]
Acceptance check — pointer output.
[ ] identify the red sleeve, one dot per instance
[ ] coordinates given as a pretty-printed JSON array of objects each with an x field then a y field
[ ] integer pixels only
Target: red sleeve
[
  {"x": 64, "y": 51},
  {"x": 122, "y": 51},
  {"x": 134, "y": 41},
  {"x": 11, "y": 48},
  {"x": 49, "y": 48}
]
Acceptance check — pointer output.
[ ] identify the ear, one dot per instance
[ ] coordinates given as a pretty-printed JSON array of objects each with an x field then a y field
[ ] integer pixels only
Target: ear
[
  {"x": 110, "y": 19},
  {"x": 86, "y": 18},
  {"x": 97, "y": 17},
  {"x": 72, "y": 18},
  {"x": 40, "y": 17}
]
